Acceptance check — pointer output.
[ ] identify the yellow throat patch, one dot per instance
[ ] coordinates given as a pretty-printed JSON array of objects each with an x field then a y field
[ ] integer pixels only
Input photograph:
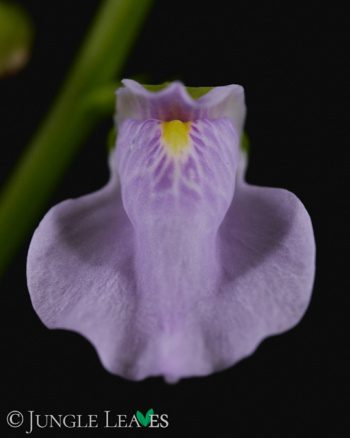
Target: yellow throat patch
[{"x": 176, "y": 136}]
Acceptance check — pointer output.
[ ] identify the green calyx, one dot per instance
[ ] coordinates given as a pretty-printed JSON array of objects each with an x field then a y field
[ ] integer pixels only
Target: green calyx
[
  {"x": 245, "y": 143},
  {"x": 195, "y": 92}
]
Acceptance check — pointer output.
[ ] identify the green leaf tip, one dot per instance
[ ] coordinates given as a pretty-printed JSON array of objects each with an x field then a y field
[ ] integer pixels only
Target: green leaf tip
[{"x": 16, "y": 37}]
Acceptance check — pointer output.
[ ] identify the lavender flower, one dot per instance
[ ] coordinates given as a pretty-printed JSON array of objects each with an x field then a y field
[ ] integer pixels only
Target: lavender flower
[{"x": 177, "y": 267}]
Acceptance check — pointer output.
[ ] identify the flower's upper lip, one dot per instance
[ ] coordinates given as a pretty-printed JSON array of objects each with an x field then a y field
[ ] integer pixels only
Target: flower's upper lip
[
  {"x": 212, "y": 97},
  {"x": 223, "y": 101}
]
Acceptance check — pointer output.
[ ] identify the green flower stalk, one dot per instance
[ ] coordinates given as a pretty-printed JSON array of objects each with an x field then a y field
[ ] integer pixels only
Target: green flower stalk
[{"x": 76, "y": 111}]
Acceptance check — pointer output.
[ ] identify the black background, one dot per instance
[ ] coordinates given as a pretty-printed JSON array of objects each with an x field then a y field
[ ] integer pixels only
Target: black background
[{"x": 278, "y": 52}]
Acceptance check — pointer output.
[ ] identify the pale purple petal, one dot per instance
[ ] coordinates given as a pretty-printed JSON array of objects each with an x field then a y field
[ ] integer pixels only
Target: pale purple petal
[
  {"x": 267, "y": 253},
  {"x": 183, "y": 269},
  {"x": 81, "y": 277}
]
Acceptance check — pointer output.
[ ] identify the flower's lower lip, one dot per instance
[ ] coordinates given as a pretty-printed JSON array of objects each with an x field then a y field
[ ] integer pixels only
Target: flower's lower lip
[{"x": 81, "y": 278}]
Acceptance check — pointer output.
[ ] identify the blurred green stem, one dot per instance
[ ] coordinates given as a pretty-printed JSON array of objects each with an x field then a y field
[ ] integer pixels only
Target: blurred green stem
[{"x": 71, "y": 119}]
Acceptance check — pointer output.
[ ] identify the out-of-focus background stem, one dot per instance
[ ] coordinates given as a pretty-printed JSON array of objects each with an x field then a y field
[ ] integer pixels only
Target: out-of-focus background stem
[{"x": 70, "y": 120}]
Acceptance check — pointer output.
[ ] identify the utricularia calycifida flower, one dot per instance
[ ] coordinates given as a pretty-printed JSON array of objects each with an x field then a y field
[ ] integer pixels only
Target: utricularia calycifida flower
[{"x": 177, "y": 267}]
